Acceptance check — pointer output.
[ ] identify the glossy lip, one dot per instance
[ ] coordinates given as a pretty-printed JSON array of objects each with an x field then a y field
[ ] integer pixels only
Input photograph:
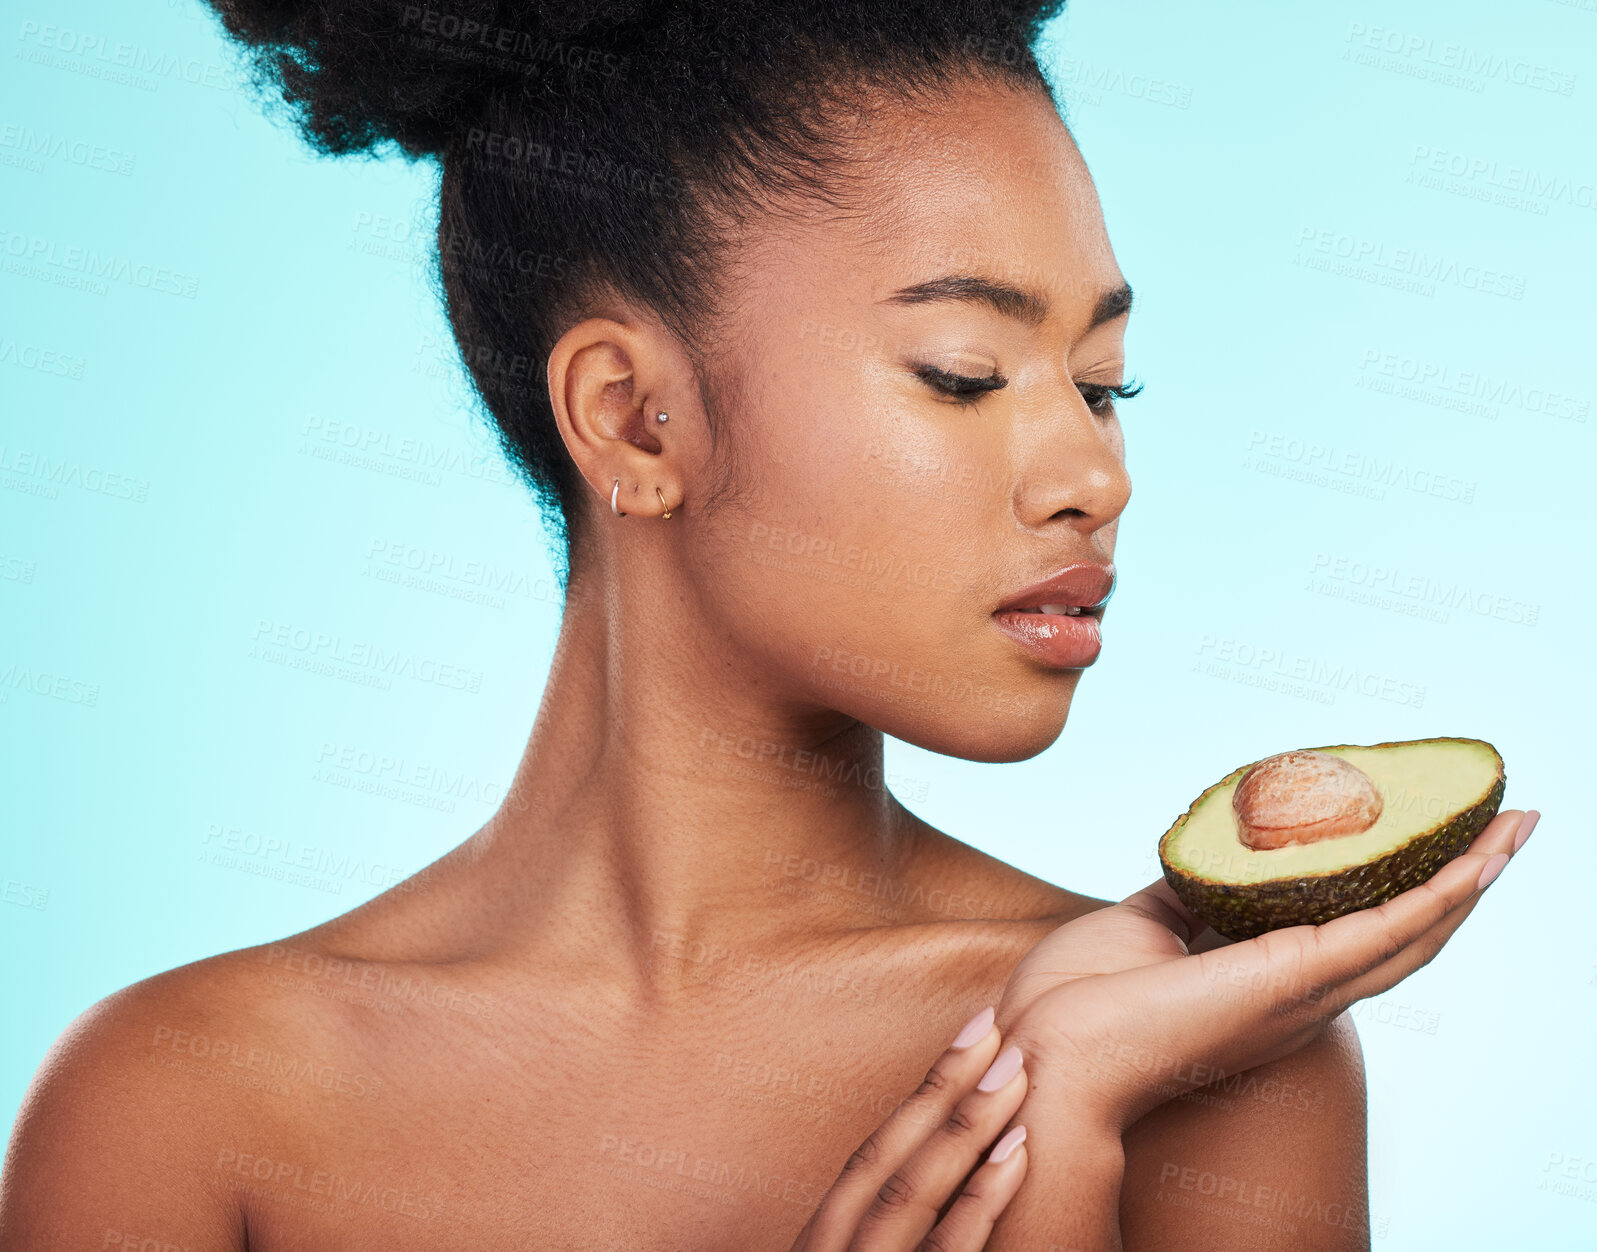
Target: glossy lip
[
  {"x": 1058, "y": 640},
  {"x": 1084, "y": 584}
]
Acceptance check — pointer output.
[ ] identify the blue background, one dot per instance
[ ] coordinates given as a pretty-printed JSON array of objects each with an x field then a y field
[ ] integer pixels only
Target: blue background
[{"x": 1362, "y": 475}]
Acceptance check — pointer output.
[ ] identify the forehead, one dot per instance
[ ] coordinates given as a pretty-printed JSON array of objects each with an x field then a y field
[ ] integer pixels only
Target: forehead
[{"x": 986, "y": 180}]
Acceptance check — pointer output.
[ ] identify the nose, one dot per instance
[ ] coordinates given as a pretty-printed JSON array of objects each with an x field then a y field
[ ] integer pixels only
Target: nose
[{"x": 1075, "y": 470}]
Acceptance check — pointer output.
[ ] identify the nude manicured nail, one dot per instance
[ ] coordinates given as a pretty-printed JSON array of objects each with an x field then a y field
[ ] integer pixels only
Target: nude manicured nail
[
  {"x": 975, "y": 1029},
  {"x": 1492, "y": 868},
  {"x": 1007, "y": 1144},
  {"x": 1001, "y": 1071},
  {"x": 1526, "y": 825}
]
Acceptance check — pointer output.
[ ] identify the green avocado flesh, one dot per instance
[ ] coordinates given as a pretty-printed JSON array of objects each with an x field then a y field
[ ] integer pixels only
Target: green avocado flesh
[{"x": 1437, "y": 795}]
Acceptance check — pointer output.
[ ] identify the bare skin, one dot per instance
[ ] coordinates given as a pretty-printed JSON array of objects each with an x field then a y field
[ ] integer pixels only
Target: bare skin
[{"x": 702, "y": 951}]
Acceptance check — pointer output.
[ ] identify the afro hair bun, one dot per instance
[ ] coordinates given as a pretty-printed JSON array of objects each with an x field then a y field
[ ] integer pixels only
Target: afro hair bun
[{"x": 359, "y": 73}]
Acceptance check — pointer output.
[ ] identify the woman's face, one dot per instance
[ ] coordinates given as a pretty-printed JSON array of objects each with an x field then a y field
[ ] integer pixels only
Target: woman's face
[{"x": 877, "y": 521}]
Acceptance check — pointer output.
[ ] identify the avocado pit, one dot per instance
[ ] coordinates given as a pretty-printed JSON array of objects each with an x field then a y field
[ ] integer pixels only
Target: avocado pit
[{"x": 1303, "y": 797}]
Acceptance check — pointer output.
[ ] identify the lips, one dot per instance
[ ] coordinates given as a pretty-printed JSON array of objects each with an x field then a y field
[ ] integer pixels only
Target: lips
[
  {"x": 1056, "y": 620},
  {"x": 1076, "y": 590}
]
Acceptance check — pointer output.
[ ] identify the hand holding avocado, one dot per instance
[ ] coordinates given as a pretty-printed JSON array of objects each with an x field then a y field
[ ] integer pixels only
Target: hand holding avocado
[
  {"x": 1134, "y": 1004},
  {"x": 1302, "y": 837}
]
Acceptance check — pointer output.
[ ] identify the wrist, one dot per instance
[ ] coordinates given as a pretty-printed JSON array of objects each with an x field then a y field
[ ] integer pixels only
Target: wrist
[
  {"x": 1076, "y": 1164},
  {"x": 1069, "y": 1085}
]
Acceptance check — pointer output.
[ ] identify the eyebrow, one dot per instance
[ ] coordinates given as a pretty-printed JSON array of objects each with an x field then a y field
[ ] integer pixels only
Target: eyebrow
[{"x": 1026, "y": 304}]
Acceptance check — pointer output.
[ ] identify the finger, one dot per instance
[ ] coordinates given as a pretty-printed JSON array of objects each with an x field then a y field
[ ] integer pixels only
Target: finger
[
  {"x": 1159, "y": 901},
  {"x": 1339, "y": 953},
  {"x": 1208, "y": 941},
  {"x": 955, "y": 1073},
  {"x": 1499, "y": 836},
  {"x": 970, "y": 1219},
  {"x": 907, "y": 1204}
]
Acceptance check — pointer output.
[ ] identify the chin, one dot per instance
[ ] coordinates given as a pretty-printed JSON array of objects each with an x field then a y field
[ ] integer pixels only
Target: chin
[{"x": 1016, "y": 729}]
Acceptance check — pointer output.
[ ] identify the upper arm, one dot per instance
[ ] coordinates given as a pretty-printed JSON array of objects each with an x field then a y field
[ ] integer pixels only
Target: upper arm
[
  {"x": 106, "y": 1151},
  {"x": 1272, "y": 1159}
]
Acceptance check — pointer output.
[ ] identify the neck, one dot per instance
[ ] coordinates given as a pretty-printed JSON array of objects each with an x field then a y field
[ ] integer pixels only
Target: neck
[{"x": 669, "y": 794}]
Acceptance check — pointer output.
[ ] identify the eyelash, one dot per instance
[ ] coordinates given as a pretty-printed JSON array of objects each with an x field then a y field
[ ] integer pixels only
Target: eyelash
[
  {"x": 967, "y": 390},
  {"x": 1101, "y": 399}
]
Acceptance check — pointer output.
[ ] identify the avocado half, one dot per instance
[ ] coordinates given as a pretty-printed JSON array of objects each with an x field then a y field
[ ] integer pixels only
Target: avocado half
[{"x": 1435, "y": 796}]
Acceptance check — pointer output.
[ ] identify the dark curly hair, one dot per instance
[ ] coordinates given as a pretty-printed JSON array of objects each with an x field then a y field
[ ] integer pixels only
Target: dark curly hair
[{"x": 611, "y": 149}]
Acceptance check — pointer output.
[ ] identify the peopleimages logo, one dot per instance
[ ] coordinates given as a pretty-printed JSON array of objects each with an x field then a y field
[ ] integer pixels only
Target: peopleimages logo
[
  {"x": 523, "y": 48},
  {"x": 1506, "y": 177},
  {"x": 1374, "y": 471},
  {"x": 41, "y": 145},
  {"x": 30, "y": 356},
  {"x": 136, "y": 65},
  {"x": 305, "y": 647},
  {"x": 1441, "y": 594},
  {"x": 1321, "y": 247},
  {"x": 34, "y": 256},
  {"x": 1473, "y": 62},
  {"x": 1264, "y": 664},
  {"x": 1090, "y": 77},
  {"x": 1439, "y": 383}
]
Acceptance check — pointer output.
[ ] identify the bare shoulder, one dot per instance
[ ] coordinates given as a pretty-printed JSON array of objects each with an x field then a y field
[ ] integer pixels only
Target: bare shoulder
[
  {"x": 122, "y": 1129},
  {"x": 105, "y": 1144},
  {"x": 1267, "y": 1160},
  {"x": 993, "y": 889}
]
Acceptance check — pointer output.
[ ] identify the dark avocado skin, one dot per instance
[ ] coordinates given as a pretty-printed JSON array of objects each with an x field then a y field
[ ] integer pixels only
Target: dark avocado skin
[{"x": 1246, "y": 910}]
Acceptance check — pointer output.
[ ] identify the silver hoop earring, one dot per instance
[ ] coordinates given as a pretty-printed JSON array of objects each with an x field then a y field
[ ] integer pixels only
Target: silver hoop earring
[
  {"x": 614, "y": 491},
  {"x": 660, "y": 417}
]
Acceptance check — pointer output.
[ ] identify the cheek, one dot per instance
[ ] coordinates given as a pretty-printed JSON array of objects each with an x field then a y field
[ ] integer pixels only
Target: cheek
[
  {"x": 1115, "y": 437},
  {"x": 903, "y": 493},
  {"x": 835, "y": 445},
  {"x": 857, "y": 557}
]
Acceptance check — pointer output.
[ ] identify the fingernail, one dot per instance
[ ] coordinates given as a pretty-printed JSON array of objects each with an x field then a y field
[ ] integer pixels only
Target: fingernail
[
  {"x": 1493, "y": 867},
  {"x": 1001, "y": 1071},
  {"x": 1526, "y": 825},
  {"x": 975, "y": 1029},
  {"x": 1007, "y": 1144}
]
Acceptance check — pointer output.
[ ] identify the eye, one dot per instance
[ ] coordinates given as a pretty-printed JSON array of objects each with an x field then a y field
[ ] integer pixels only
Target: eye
[
  {"x": 1101, "y": 399},
  {"x": 966, "y": 389}
]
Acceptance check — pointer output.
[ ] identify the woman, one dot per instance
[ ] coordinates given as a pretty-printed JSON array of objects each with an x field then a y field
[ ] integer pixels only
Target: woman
[{"x": 825, "y": 335}]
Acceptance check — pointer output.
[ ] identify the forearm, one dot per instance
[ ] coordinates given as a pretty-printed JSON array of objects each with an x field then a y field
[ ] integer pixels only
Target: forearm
[{"x": 1070, "y": 1199}]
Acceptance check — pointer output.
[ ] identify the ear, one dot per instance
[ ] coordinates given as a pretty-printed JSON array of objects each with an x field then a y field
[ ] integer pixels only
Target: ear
[{"x": 608, "y": 381}]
